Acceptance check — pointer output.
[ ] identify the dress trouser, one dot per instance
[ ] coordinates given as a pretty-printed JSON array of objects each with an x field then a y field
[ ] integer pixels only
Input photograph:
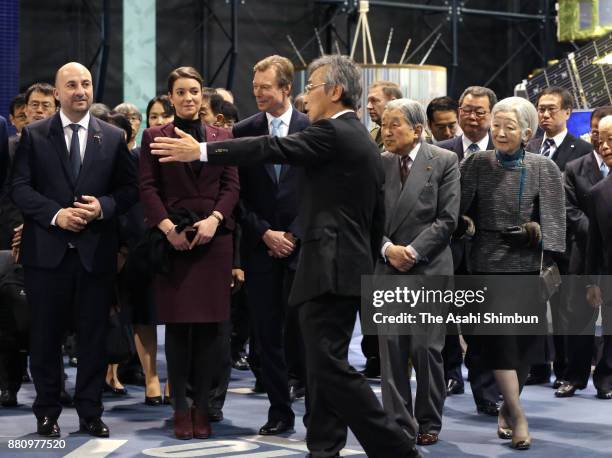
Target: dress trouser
[
  {"x": 452, "y": 354},
  {"x": 220, "y": 380},
  {"x": 338, "y": 395},
  {"x": 59, "y": 296},
  {"x": 425, "y": 351},
  {"x": 267, "y": 294}
]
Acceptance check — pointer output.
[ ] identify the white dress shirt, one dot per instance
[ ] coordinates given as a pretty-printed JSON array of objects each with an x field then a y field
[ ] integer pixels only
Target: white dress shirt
[
  {"x": 84, "y": 125},
  {"x": 285, "y": 121},
  {"x": 558, "y": 140},
  {"x": 482, "y": 143},
  {"x": 413, "y": 154}
]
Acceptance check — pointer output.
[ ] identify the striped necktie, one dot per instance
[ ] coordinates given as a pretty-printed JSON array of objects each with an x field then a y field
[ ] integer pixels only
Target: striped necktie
[{"x": 547, "y": 146}]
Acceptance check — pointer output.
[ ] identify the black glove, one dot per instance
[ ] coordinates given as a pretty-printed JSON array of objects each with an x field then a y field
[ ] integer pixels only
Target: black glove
[
  {"x": 526, "y": 235},
  {"x": 465, "y": 227}
]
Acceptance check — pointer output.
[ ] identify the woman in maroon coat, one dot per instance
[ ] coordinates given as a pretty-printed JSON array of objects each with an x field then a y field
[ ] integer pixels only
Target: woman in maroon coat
[{"x": 194, "y": 297}]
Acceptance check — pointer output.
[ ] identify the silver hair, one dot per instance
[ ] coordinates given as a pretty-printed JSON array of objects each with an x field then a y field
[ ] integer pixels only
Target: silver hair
[
  {"x": 128, "y": 109},
  {"x": 526, "y": 114},
  {"x": 605, "y": 120},
  {"x": 413, "y": 111},
  {"x": 342, "y": 72}
]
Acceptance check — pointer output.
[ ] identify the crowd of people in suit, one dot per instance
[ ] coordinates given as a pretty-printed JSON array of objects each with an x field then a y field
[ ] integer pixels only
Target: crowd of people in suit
[{"x": 229, "y": 230}]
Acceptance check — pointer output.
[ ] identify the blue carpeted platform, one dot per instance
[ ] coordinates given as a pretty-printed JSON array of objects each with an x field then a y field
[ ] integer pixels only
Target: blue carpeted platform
[{"x": 576, "y": 427}]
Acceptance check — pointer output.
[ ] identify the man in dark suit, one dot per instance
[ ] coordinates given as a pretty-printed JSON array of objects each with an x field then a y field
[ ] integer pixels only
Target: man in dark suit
[
  {"x": 69, "y": 245},
  {"x": 580, "y": 176},
  {"x": 422, "y": 196},
  {"x": 342, "y": 215},
  {"x": 599, "y": 259},
  {"x": 269, "y": 196},
  {"x": 4, "y": 150},
  {"x": 475, "y": 105},
  {"x": 554, "y": 105}
]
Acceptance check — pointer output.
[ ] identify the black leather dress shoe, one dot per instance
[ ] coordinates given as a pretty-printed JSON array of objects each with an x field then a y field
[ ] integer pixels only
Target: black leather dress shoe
[
  {"x": 372, "y": 368},
  {"x": 296, "y": 392},
  {"x": 488, "y": 408},
  {"x": 167, "y": 400},
  {"x": 8, "y": 398},
  {"x": 558, "y": 383},
  {"x": 537, "y": 379},
  {"x": 454, "y": 387},
  {"x": 601, "y": 394},
  {"x": 240, "y": 363},
  {"x": 215, "y": 416},
  {"x": 153, "y": 400},
  {"x": 94, "y": 427},
  {"x": 273, "y": 427},
  {"x": 47, "y": 427},
  {"x": 567, "y": 390}
]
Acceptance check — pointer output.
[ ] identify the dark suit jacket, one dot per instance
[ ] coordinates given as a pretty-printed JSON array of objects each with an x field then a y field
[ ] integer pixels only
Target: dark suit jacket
[
  {"x": 342, "y": 210},
  {"x": 580, "y": 176},
  {"x": 570, "y": 148},
  {"x": 266, "y": 203},
  {"x": 456, "y": 145},
  {"x": 42, "y": 185},
  {"x": 599, "y": 245}
]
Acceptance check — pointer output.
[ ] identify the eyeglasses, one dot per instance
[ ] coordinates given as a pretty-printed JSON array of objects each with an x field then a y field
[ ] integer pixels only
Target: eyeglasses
[
  {"x": 551, "y": 110},
  {"x": 480, "y": 113},
  {"x": 45, "y": 105},
  {"x": 134, "y": 118},
  {"x": 310, "y": 87}
]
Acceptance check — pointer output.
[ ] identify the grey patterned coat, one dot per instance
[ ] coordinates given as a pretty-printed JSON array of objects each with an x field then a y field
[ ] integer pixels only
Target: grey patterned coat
[{"x": 490, "y": 195}]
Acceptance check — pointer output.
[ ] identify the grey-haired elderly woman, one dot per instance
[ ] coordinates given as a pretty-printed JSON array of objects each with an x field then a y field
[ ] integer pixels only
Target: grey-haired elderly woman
[
  {"x": 130, "y": 111},
  {"x": 516, "y": 201}
]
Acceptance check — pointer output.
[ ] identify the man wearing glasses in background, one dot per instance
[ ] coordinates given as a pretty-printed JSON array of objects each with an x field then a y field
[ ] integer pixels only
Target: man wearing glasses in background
[
  {"x": 554, "y": 105},
  {"x": 40, "y": 102},
  {"x": 475, "y": 105}
]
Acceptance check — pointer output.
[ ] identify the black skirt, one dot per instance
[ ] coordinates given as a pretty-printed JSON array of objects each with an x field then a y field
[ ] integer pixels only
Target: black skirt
[{"x": 514, "y": 351}]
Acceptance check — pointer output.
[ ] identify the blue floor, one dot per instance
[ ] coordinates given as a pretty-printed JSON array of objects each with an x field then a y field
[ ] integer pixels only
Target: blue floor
[{"x": 576, "y": 427}]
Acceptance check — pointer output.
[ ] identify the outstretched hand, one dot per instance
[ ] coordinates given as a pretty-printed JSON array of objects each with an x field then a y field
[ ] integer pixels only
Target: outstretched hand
[{"x": 182, "y": 149}]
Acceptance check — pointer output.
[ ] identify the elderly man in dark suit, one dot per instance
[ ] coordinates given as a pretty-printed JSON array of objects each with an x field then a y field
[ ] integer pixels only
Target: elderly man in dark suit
[
  {"x": 422, "y": 196},
  {"x": 599, "y": 258},
  {"x": 72, "y": 177},
  {"x": 475, "y": 105},
  {"x": 554, "y": 105},
  {"x": 580, "y": 176},
  {"x": 270, "y": 231},
  {"x": 342, "y": 215}
]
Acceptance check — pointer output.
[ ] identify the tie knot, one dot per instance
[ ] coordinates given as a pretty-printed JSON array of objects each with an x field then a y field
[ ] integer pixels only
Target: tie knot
[
  {"x": 550, "y": 142},
  {"x": 74, "y": 127},
  {"x": 276, "y": 122},
  {"x": 473, "y": 148},
  {"x": 406, "y": 160}
]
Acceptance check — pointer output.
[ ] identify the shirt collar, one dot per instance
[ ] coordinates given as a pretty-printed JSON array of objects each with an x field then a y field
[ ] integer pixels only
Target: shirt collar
[
  {"x": 285, "y": 117},
  {"x": 84, "y": 122},
  {"x": 413, "y": 152},
  {"x": 340, "y": 113},
  {"x": 482, "y": 143},
  {"x": 557, "y": 138},
  {"x": 598, "y": 158}
]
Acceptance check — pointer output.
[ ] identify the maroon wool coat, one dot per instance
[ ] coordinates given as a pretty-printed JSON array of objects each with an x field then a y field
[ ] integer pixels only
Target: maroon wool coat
[{"x": 197, "y": 290}]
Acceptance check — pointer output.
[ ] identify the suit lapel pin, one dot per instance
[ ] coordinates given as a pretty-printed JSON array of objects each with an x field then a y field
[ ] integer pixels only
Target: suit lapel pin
[{"x": 97, "y": 138}]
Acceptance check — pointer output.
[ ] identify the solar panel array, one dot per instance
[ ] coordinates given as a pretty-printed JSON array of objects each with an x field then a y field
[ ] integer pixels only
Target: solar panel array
[{"x": 589, "y": 83}]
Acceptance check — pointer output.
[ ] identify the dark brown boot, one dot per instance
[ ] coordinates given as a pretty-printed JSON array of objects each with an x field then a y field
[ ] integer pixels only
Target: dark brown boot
[
  {"x": 201, "y": 425},
  {"x": 183, "y": 427}
]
